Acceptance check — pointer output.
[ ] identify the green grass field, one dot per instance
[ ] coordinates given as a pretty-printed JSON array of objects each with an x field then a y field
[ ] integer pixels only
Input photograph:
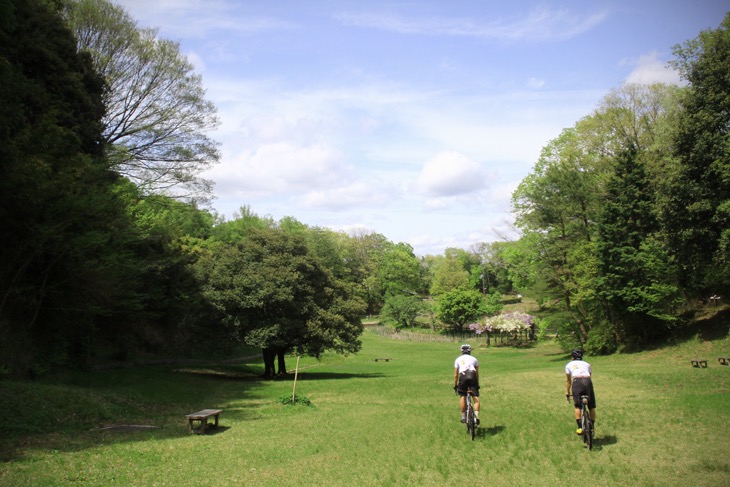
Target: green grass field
[{"x": 660, "y": 422}]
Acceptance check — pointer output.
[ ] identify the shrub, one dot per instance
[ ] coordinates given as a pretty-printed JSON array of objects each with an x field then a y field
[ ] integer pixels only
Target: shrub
[
  {"x": 601, "y": 339},
  {"x": 286, "y": 399}
]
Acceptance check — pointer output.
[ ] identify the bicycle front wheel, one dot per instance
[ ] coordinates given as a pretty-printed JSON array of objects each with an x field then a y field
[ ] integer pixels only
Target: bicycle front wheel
[
  {"x": 471, "y": 424},
  {"x": 471, "y": 420}
]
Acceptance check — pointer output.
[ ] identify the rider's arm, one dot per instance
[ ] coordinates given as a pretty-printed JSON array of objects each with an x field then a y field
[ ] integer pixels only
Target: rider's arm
[
  {"x": 477, "y": 369},
  {"x": 567, "y": 384},
  {"x": 456, "y": 376}
]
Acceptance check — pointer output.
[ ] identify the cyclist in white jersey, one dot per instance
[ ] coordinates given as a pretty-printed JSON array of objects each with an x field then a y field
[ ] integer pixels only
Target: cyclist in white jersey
[
  {"x": 466, "y": 376},
  {"x": 578, "y": 382}
]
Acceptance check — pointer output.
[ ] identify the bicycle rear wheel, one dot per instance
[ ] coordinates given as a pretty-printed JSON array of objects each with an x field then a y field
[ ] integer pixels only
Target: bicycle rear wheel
[
  {"x": 471, "y": 422},
  {"x": 587, "y": 427}
]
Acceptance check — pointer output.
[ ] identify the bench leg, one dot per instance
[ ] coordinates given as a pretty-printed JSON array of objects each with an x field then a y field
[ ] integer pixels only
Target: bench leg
[
  {"x": 216, "y": 421},
  {"x": 201, "y": 428}
]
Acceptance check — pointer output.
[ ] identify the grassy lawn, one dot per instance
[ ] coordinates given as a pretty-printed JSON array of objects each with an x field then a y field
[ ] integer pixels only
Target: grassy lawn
[{"x": 660, "y": 422}]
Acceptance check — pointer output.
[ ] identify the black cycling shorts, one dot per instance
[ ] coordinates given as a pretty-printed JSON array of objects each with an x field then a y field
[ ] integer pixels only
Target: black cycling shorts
[
  {"x": 468, "y": 380},
  {"x": 583, "y": 387}
]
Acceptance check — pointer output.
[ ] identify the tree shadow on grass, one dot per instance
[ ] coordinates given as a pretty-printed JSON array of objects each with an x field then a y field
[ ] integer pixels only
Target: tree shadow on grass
[
  {"x": 122, "y": 406},
  {"x": 563, "y": 358},
  {"x": 335, "y": 376},
  {"x": 222, "y": 374}
]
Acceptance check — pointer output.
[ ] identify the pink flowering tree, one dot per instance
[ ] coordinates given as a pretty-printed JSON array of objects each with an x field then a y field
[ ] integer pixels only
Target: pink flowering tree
[{"x": 507, "y": 323}]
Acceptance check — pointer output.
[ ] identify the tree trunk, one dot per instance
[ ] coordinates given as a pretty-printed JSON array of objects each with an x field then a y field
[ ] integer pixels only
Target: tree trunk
[
  {"x": 274, "y": 356},
  {"x": 269, "y": 356},
  {"x": 282, "y": 360}
]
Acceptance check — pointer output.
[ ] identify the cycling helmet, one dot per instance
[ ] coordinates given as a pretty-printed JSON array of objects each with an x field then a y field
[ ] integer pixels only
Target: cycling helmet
[
  {"x": 577, "y": 354},
  {"x": 466, "y": 348}
]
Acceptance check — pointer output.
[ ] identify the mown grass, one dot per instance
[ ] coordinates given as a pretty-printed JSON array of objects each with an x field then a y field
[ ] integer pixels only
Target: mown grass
[{"x": 660, "y": 422}]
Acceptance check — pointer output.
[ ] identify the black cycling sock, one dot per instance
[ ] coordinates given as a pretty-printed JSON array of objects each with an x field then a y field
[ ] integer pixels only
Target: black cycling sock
[{"x": 578, "y": 421}]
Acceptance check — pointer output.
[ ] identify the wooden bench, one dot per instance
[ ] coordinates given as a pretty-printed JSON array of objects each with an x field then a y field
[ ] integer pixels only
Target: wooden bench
[
  {"x": 384, "y": 359},
  {"x": 724, "y": 360},
  {"x": 697, "y": 362},
  {"x": 203, "y": 416}
]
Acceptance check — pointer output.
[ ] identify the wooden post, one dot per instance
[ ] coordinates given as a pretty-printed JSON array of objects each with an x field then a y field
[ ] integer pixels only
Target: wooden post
[{"x": 294, "y": 389}]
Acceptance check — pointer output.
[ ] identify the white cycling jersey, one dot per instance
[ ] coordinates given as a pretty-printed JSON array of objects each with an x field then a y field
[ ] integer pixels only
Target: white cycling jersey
[
  {"x": 466, "y": 362},
  {"x": 578, "y": 369}
]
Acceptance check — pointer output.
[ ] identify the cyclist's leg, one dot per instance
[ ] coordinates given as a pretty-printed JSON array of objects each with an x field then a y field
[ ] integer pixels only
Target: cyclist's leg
[
  {"x": 462, "y": 401},
  {"x": 475, "y": 396},
  {"x": 577, "y": 390},
  {"x": 461, "y": 391},
  {"x": 592, "y": 402},
  {"x": 474, "y": 386}
]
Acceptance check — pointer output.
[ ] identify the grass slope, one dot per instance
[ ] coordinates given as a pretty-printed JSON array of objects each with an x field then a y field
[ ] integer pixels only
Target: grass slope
[{"x": 660, "y": 422}]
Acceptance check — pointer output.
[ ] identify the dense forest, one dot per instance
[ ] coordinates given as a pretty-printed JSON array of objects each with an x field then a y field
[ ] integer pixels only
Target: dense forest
[{"x": 110, "y": 249}]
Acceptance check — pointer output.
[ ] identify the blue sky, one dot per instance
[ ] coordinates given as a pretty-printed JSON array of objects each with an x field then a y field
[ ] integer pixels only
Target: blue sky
[{"x": 415, "y": 119}]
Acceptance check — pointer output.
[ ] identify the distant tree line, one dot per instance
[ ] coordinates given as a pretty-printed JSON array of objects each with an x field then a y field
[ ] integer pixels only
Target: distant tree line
[{"x": 109, "y": 252}]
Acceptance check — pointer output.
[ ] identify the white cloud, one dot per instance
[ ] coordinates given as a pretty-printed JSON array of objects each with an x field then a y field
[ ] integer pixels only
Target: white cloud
[
  {"x": 649, "y": 68},
  {"x": 451, "y": 174},
  {"x": 198, "y": 18},
  {"x": 280, "y": 168},
  {"x": 539, "y": 24},
  {"x": 341, "y": 197}
]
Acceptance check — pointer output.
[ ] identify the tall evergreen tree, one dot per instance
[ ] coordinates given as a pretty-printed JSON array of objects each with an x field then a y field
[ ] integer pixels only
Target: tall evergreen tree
[
  {"x": 636, "y": 275},
  {"x": 697, "y": 216}
]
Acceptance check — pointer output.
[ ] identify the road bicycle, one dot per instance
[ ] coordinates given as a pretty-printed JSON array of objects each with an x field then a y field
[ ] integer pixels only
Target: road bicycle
[
  {"x": 471, "y": 417},
  {"x": 586, "y": 424}
]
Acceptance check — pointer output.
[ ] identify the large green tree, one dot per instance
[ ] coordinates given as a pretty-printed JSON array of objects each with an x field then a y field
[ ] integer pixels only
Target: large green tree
[
  {"x": 364, "y": 253},
  {"x": 461, "y": 306},
  {"x": 270, "y": 291},
  {"x": 400, "y": 271},
  {"x": 64, "y": 262},
  {"x": 403, "y": 309},
  {"x": 556, "y": 209},
  {"x": 493, "y": 271},
  {"x": 447, "y": 274}
]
